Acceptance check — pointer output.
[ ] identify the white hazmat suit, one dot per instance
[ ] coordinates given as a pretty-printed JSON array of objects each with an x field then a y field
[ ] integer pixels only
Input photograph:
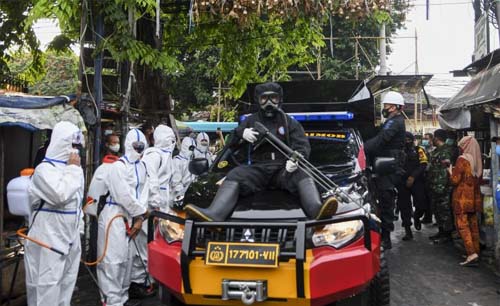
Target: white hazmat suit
[
  {"x": 51, "y": 277},
  {"x": 139, "y": 181},
  {"x": 116, "y": 180},
  {"x": 158, "y": 160},
  {"x": 182, "y": 178},
  {"x": 202, "y": 145}
]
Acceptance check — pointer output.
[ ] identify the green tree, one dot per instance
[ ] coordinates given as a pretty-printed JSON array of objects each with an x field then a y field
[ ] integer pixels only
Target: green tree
[
  {"x": 15, "y": 37},
  {"x": 60, "y": 75},
  {"x": 242, "y": 40}
]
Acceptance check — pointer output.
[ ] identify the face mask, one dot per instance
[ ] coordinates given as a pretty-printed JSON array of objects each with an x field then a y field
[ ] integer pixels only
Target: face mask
[
  {"x": 425, "y": 143},
  {"x": 386, "y": 112},
  {"x": 108, "y": 132},
  {"x": 450, "y": 142},
  {"x": 498, "y": 150},
  {"x": 114, "y": 148}
]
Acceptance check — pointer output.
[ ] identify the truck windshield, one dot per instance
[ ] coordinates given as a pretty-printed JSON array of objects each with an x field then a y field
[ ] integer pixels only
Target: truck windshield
[{"x": 330, "y": 152}]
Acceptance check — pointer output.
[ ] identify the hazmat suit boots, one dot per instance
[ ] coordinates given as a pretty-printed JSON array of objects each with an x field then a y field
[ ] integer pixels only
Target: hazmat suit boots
[
  {"x": 221, "y": 207},
  {"x": 386, "y": 240},
  {"x": 311, "y": 201},
  {"x": 408, "y": 234}
]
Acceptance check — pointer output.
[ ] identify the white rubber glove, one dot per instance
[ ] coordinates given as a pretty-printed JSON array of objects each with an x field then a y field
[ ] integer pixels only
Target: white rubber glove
[
  {"x": 250, "y": 135},
  {"x": 178, "y": 188},
  {"x": 291, "y": 166}
]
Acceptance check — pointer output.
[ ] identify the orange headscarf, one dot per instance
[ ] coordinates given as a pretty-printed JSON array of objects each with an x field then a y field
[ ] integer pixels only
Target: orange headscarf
[{"x": 472, "y": 153}]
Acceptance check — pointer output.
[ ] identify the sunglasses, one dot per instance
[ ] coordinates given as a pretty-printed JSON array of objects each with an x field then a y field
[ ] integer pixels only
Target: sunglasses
[{"x": 138, "y": 146}]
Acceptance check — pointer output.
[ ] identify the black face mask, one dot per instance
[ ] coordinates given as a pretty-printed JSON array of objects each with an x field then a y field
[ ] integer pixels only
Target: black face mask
[{"x": 386, "y": 113}]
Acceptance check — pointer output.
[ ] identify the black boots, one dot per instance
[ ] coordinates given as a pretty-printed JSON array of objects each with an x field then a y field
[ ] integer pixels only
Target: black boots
[
  {"x": 386, "y": 240},
  {"x": 408, "y": 234},
  {"x": 222, "y": 205},
  {"x": 438, "y": 235},
  {"x": 311, "y": 201},
  {"x": 417, "y": 224}
]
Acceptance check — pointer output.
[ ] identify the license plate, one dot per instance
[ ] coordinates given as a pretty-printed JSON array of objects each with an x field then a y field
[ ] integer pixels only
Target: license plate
[{"x": 263, "y": 255}]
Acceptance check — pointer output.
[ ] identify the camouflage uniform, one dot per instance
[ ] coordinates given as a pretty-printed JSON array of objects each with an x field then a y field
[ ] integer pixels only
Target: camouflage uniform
[{"x": 440, "y": 187}]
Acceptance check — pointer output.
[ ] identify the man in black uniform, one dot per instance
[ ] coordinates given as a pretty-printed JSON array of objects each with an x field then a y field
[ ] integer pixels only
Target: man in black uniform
[
  {"x": 389, "y": 142},
  {"x": 266, "y": 166},
  {"x": 412, "y": 186}
]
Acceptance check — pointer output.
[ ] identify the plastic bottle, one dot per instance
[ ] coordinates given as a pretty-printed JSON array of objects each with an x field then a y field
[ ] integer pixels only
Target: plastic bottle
[{"x": 17, "y": 194}]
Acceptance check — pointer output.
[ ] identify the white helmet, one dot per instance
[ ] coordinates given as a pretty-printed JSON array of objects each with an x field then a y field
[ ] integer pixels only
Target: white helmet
[{"x": 393, "y": 97}]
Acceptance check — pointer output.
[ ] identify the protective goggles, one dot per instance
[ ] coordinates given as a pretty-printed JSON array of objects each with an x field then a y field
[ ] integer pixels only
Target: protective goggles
[
  {"x": 138, "y": 146},
  {"x": 271, "y": 96}
]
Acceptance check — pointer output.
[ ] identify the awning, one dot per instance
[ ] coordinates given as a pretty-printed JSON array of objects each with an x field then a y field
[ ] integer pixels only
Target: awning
[
  {"x": 483, "y": 88},
  {"x": 203, "y": 126},
  {"x": 32, "y": 102},
  {"x": 403, "y": 83},
  {"x": 36, "y": 112}
]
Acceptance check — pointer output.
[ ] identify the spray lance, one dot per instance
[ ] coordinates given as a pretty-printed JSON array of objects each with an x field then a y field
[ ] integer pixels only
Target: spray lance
[{"x": 319, "y": 177}]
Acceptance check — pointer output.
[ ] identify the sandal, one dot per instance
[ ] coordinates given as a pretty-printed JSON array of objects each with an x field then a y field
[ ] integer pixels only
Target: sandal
[{"x": 474, "y": 262}]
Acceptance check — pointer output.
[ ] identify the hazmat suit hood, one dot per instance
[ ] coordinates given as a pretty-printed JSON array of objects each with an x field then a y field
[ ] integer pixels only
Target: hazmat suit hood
[
  {"x": 134, "y": 136},
  {"x": 64, "y": 135},
  {"x": 164, "y": 137},
  {"x": 187, "y": 146},
  {"x": 202, "y": 136}
]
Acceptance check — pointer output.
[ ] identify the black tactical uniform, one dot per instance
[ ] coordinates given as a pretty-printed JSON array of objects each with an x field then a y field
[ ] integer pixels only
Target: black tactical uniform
[
  {"x": 389, "y": 142},
  {"x": 416, "y": 163},
  {"x": 265, "y": 166}
]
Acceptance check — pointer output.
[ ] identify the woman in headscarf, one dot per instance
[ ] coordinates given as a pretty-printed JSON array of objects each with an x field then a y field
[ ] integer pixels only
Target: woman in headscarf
[{"x": 466, "y": 199}]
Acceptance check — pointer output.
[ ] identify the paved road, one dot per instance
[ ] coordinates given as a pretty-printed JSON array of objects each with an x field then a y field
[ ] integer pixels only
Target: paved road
[{"x": 422, "y": 274}]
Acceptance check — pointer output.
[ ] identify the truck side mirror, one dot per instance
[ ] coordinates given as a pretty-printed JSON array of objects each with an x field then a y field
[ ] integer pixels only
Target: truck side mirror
[
  {"x": 198, "y": 166},
  {"x": 384, "y": 165}
]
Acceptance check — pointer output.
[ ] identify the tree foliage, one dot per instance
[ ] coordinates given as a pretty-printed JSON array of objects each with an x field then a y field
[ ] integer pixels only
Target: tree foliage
[
  {"x": 60, "y": 75},
  {"x": 234, "y": 42},
  {"x": 14, "y": 37}
]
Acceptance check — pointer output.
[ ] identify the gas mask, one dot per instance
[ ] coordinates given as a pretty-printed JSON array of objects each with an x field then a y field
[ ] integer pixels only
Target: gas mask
[
  {"x": 138, "y": 147},
  {"x": 269, "y": 102},
  {"x": 77, "y": 143}
]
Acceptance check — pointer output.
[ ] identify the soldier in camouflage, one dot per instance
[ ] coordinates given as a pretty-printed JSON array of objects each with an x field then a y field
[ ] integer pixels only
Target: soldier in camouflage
[{"x": 440, "y": 187}]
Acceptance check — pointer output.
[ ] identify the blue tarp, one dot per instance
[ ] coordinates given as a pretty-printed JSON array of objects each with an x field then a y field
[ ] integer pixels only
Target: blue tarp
[
  {"x": 37, "y": 112},
  {"x": 211, "y": 126},
  {"x": 32, "y": 102}
]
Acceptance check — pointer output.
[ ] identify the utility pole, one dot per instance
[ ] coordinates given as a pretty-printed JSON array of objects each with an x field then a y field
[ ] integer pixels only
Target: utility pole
[
  {"x": 416, "y": 73},
  {"x": 357, "y": 59},
  {"x": 319, "y": 65},
  {"x": 218, "y": 101},
  {"x": 497, "y": 5},
  {"x": 98, "y": 66},
  {"x": 487, "y": 16},
  {"x": 383, "y": 63}
]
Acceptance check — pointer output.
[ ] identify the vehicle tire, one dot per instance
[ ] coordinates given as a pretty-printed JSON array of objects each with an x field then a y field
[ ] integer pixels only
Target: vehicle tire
[
  {"x": 166, "y": 298},
  {"x": 380, "y": 287}
]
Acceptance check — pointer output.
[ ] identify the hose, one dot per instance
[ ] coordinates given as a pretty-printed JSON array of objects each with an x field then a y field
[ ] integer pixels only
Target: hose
[
  {"x": 22, "y": 233},
  {"x": 101, "y": 258}
]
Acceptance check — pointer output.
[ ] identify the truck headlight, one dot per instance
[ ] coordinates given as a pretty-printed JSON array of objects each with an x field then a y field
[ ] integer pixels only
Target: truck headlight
[
  {"x": 338, "y": 234},
  {"x": 171, "y": 231}
]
